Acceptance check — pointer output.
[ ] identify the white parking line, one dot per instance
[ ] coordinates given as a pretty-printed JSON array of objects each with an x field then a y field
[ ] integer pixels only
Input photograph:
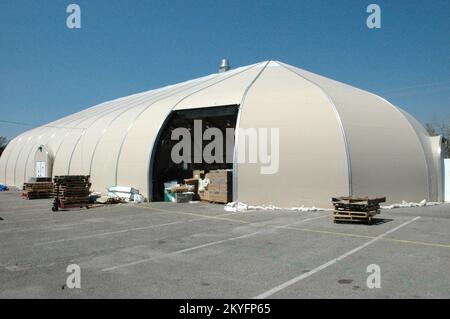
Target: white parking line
[
  {"x": 288, "y": 283},
  {"x": 24, "y": 220},
  {"x": 107, "y": 233},
  {"x": 205, "y": 245},
  {"x": 180, "y": 251},
  {"x": 11, "y": 229},
  {"x": 121, "y": 231},
  {"x": 65, "y": 218}
]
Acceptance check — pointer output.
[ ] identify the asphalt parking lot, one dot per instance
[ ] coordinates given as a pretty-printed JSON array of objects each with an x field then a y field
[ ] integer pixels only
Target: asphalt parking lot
[{"x": 162, "y": 250}]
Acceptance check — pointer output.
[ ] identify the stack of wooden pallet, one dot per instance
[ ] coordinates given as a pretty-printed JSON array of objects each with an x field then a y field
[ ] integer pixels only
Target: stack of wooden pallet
[
  {"x": 36, "y": 190},
  {"x": 356, "y": 209},
  {"x": 71, "y": 191}
]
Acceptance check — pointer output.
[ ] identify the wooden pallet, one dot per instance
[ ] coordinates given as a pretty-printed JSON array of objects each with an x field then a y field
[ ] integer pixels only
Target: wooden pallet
[
  {"x": 29, "y": 187},
  {"x": 360, "y": 214},
  {"x": 71, "y": 191},
  {"x": 37, "y": 190},
  {"x": 348, "y": 200},
  {"x": 40, "y": 190},
  {"x": 349, "y": 216},
  {"x": 72, "y": 197},
  {"x": 36, "y": 195},
  {"x": 73, "y": 202},
  {"x": 72, "y": 177},
  {"x": 356, "y": 209},
  {"x": 61, "y": 204}
]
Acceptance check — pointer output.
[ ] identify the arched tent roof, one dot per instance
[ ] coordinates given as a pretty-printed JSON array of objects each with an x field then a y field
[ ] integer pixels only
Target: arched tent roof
[{"x": 334, "y": 139}]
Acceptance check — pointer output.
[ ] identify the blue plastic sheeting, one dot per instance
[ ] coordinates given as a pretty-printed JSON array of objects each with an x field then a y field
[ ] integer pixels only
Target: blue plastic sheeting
[{"x": 3, "y": 188}]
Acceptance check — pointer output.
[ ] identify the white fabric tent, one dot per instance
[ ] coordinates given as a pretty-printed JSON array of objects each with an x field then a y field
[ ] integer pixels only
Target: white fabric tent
[{"x": 334, "y": 139}]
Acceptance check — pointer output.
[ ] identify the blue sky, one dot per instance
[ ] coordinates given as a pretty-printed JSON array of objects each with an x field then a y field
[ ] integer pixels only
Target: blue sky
[{"x": 48, "y": 71}]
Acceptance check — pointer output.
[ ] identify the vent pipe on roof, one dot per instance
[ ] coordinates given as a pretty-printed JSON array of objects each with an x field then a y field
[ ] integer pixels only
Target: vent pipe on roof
[{"x": 224, "y": 66}]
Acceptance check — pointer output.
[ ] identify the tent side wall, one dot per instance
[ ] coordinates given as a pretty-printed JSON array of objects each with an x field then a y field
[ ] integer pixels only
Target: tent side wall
[
  {"x": 5, "y": 177},
  {"x": 432, "y": 150},
  {"x": 18, "y": 164},
  {"x": 312, "y": 159},
  {"x": 387, "y": 157}
]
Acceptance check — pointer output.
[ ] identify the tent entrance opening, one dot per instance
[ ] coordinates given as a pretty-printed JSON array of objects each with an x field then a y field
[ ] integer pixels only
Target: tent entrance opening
[{"x": 202, "y": 138}]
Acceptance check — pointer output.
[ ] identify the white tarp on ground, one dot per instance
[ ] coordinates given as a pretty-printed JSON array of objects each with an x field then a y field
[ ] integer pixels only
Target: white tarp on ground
[
  {"x": 404, "y": 204},
  {"x": 447, "y": 179},
  {"x": 242, "y": 207},
  {"x": 129, "y": 194}
]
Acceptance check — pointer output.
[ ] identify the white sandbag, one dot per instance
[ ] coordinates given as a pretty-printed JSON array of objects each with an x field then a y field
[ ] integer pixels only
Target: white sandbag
[
  {"x": 122, "y": 195},
  {"x": 138, "y": 198},
  {"x": 242, "y": 207},
  {"x": 405, "y": 204},
  {"x": 123, "y": 189},
  {"x": 102, "y": 200}
]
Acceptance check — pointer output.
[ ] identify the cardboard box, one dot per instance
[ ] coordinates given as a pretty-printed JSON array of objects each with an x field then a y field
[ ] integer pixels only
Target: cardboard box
[
  {"x": 213, "y": 188},
  {"x": 204, "y": 195},
  {"x": 222, "y": 176},
  {"x": 220, "y": 194},
  {"x": 220, "y": 187},
  {"x": 220, "y": 198},
  {"x": 198, "y": 174},
  {"x": 192, "y": 181},
  {"x": 180, "y": 189}
]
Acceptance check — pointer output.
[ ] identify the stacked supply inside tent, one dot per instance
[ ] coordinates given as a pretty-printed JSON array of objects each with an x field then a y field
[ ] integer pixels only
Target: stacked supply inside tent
[{"x": 220, "y": 186}]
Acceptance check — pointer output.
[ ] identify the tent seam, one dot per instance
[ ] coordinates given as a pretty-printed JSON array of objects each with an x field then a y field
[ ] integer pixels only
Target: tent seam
[
  {"x": 341, "y": 127},
  {"x": 238, "y": 120},
  {"x": 417, "y": 137}
]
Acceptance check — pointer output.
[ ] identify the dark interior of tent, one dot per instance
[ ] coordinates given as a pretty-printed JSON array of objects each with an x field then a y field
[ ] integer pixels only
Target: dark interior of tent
[{"x": 164, "y": 169}]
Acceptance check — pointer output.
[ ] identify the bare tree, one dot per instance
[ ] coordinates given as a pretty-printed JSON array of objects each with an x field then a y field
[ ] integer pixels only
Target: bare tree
[
  {"x": 3, "y": 143},
  {"x": 441, "y": 127}
]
